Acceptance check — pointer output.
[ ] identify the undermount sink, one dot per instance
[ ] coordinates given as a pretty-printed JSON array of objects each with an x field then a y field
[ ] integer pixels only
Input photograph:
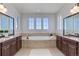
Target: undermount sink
[{"x": 2, "y": 36}]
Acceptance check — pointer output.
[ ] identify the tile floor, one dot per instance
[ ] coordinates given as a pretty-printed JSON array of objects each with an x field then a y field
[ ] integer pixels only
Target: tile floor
[{"x": 39, "y": 52}]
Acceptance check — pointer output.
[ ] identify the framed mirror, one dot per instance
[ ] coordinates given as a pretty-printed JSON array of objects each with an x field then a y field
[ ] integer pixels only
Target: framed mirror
[
  {"x": 6, "y": 25},
  {"x": 71, "y": 25}
]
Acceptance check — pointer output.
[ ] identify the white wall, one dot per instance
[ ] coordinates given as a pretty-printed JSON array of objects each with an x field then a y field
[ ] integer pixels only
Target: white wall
[
  {"x": 11, "y": 11},
  {"x": 52, "y": 22},
  {"x": 64, "y": 12}
]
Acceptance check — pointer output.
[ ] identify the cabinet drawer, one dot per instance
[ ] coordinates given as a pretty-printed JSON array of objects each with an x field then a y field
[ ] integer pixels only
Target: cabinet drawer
[
  {"x": 72, "y": 42},
  {"x": 13, "y": 48},
  {"x": 6, "y": 50},
  {"x": 5, "y": 43},
  {"x": 65, "y": 47},
  {"x": 8, "y": 42},
  {"x": 72, "y": 49},
  {"x": 12, "y": 40}
]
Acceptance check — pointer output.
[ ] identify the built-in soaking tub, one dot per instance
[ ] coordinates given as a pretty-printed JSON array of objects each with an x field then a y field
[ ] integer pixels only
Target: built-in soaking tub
[
  {"x": 40, "y": 42},
  {"x": 41, "y": 37}
]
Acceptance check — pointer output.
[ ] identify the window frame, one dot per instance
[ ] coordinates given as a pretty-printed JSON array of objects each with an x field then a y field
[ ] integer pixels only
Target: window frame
[
  {"x": 43, "y": 23},
  {"x": 36, "y": 22},
  {"x": 42, "y": 26},
  {"x": 29, "y": 25}
]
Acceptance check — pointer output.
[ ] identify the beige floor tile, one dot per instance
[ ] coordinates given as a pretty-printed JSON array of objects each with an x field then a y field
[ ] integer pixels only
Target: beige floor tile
[
  {"x": 23, "y": 52},
  {"x": 39, "y": 52},
  {"x": 55, "y": 52}
]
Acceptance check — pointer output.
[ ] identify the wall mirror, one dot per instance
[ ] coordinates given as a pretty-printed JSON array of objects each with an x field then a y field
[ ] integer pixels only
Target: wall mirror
[
  {"x": 71, "y": 25},
  {"x": 6, "y": 25}
]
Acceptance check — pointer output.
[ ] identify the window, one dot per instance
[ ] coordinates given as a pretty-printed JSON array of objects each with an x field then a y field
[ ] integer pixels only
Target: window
[
  {"x": 38, "y": 23},
  {"x": 11, "y": 26},
  {"x": 31, "y": 23},
  {"x": 4, "y": 23},
  {"x": 45, "y": 23}
]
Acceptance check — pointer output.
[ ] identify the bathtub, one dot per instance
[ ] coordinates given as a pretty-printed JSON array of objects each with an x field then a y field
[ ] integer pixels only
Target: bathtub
[
  {"x": 39, "y": 42},
  {"x": 41, "y": 37}
]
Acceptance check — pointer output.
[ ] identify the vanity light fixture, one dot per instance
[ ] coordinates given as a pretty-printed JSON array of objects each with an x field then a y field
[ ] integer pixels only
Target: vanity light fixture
[
  {"x": 75, "y": 9},
  {"x": 3, "y": 9}
]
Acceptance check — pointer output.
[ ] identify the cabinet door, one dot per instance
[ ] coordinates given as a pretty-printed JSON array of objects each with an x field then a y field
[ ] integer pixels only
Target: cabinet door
[
  {"x": 20, "y": 42},
  {"x": 17, "y": 44},
  {"x": 0, "y": 49},
  {"x": 6, "y": 50},
  {"x": 13, "y": 48},
  {"x": 65, "y": 47},
  {"x": 78, "y": 49},
  {"x": 72, "y": 50},
  {"x": 59, "y": 42}
]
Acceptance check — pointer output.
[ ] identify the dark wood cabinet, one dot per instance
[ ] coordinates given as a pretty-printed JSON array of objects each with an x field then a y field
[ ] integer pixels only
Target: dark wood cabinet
[
  {"x": 64, "y": 47},
  {"x": 0, "y": 49},
  {"x": 72, "y": 48},
  {"x": 78, "y": 49},
  {"x": 68, "y": 47},
  {"x": 59, "y": 42},
  {"x": 18, "y": 43},
  {"x": 6, "y": 48},
  {"x": 11, "y": 46}
]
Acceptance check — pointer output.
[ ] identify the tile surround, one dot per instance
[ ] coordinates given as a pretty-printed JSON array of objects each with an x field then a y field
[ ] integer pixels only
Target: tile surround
[{"x": 38, "y": 43}]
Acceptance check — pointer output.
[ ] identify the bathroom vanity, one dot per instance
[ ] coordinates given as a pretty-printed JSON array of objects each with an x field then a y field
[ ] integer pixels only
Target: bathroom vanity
[
  {"x": 68, "y": 42},
  {"x": 68, "y": 45},
  {"x": 9, "y": 46}
]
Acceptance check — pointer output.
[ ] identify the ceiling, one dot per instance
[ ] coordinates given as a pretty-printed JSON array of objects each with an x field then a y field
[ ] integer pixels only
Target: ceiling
[{"x": 38, "y": 7}]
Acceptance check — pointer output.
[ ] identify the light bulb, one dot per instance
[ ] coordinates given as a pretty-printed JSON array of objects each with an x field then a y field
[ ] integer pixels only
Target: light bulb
[
  {"x": 71, "y": 10},
  {"x": 77, "y": 10},
  {"x": 5, "y": 9},
  {"x": 75, "y": 7},
  {"x": 1, "y": 6},
  {"x": 0, "y": 10}
]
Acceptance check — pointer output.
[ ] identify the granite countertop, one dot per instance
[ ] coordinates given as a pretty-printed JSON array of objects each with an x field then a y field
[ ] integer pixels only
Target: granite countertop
[
  {"x": 8, "y": 38},
  {"x": 71, "y": 37}
]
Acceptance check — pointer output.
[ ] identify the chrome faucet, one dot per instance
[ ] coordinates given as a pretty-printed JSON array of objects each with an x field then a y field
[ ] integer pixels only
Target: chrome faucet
[{"x": 77, "y": 34}]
